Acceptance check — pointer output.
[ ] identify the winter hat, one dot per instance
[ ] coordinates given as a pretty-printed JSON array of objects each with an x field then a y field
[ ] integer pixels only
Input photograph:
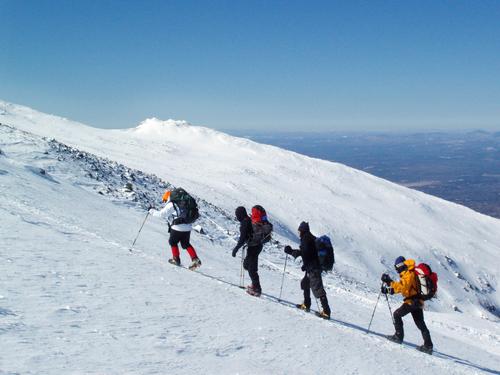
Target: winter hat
[
  {"x": 304, "y": 227},
  {"x": 166, "y": 196},
  {"x": 240, "y": 213},
  {"x": 399, "y": 264}
]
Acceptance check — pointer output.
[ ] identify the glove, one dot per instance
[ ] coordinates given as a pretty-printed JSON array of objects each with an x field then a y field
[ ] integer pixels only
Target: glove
[
  {"x": 235, "y": 251},
  {"x": 288, "y": 249},
  {"x": 386, "y": 278},
  {"x": 387, "y": 290}
]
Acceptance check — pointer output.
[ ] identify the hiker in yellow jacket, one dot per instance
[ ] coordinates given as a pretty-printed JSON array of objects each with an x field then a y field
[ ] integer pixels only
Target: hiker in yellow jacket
[{"x": 409, "y": 287}]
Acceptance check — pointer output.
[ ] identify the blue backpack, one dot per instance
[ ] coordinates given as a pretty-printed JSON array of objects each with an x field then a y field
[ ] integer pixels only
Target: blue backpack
[{"x": 325, "y": 253}]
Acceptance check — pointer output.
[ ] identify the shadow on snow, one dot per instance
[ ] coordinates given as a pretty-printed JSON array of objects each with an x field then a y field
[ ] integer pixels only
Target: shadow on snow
[{"x": 290, "y": 304}]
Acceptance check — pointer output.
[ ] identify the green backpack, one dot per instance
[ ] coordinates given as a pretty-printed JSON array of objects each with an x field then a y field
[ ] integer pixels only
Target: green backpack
[{"x": 185, "y": 205}]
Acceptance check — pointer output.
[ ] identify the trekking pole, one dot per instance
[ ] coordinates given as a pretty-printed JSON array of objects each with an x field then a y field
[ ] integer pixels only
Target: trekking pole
[
  {"x": 390, "y": 310},
  {"x": 283, "y": 278},
  {"x": 244, "y": 253},
  {"x": 317, "y": 304},
  {"x": 242, "y": 271},
  {"x": 136, "y": 237},
  {"x": 375, "y": 308}
]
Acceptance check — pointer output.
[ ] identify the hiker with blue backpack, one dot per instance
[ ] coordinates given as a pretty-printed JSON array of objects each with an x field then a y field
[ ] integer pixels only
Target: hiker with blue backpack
[
  {"x": 180, "y": 212},
  {"x": 312, "y": 267}
]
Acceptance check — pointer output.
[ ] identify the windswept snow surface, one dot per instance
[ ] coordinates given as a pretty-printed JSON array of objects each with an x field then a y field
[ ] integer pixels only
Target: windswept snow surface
[
  {"x": 371, "y": 221},
  {"x": 74, "y": 299}
]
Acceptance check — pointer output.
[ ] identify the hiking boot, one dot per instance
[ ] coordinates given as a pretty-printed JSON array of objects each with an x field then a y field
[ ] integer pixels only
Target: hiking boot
[
  {"x": 425, "y": 349},
  {"x": 303, "y": 306},
  {"x": 195, "y": 264},
  {"x": 254, "y": 291},
  {"x": 394, "y": 338},
  {"x": 253, "y": 287},
  {"x": 176, "y": 261},
  {"x": 324, "y": 315}
]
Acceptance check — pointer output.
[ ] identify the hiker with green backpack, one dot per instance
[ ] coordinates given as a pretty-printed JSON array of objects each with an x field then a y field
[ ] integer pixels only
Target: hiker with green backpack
[{"x": 180, "y": 212}]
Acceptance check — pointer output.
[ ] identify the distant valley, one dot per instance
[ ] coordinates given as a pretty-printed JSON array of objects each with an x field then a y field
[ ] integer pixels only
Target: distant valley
[{"x": 461, "y": 167}]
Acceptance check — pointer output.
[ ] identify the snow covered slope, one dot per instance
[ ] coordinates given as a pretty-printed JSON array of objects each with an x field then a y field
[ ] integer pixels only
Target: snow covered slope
[
  {"x": 74, "y": 299},
  {"x": 371, "y": 220}
]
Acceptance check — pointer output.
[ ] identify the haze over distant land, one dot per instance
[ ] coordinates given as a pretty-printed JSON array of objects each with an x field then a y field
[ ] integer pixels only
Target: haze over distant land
[
  {"x": 315, "y": 65},
  {"x": 462, "y": 167}
]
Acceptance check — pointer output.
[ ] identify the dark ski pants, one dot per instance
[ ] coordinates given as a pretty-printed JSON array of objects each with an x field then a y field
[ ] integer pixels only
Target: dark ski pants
[
  {"x": 417, "y": 313},
  {"x": 183, "y": 238},
  {"x": 251, "y": 264},
  {"x": 312, "y": 281}
]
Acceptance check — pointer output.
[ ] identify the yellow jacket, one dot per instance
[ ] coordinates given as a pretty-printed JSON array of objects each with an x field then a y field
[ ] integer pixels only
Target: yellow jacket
[{"x": 408, "y": 285}]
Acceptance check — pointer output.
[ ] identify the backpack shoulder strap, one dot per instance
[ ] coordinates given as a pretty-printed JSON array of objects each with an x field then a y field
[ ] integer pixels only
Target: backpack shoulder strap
[{"x": 176, "y": 208}]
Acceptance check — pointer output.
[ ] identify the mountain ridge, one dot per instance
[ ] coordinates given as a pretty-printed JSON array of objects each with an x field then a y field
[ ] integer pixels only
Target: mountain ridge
[
  {"x": 75, "y": 299},
  {"x": 371, "y": 221}
]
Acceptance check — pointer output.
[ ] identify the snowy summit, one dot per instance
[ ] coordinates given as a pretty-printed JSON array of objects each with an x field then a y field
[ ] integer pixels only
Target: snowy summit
[{"x": 158, "y": 128}]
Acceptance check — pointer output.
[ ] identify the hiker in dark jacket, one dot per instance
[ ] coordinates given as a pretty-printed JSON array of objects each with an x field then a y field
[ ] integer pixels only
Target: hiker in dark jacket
[
  {"x": 312, "y": 279},
  {"x": 251, "y": 260},
  {"x": 245, "y": 228}
]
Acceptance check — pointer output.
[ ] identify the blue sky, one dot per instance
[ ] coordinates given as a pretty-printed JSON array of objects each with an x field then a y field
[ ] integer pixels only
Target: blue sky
[{"x": 272, "y": 65}]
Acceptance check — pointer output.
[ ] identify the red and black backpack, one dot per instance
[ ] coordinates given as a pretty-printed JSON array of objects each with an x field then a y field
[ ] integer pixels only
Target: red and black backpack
[
  {"x": 261, "y": 227},
  {"x": 428, "y": 281}
]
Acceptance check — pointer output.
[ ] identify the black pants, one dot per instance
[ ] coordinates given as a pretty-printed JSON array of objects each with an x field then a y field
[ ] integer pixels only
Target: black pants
[
  {"x": 417, "y": 313},
  {"x": 251, "y": 264},
  {"x": 312, "y": 281},
  {"x": 182, "y": 237}
]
